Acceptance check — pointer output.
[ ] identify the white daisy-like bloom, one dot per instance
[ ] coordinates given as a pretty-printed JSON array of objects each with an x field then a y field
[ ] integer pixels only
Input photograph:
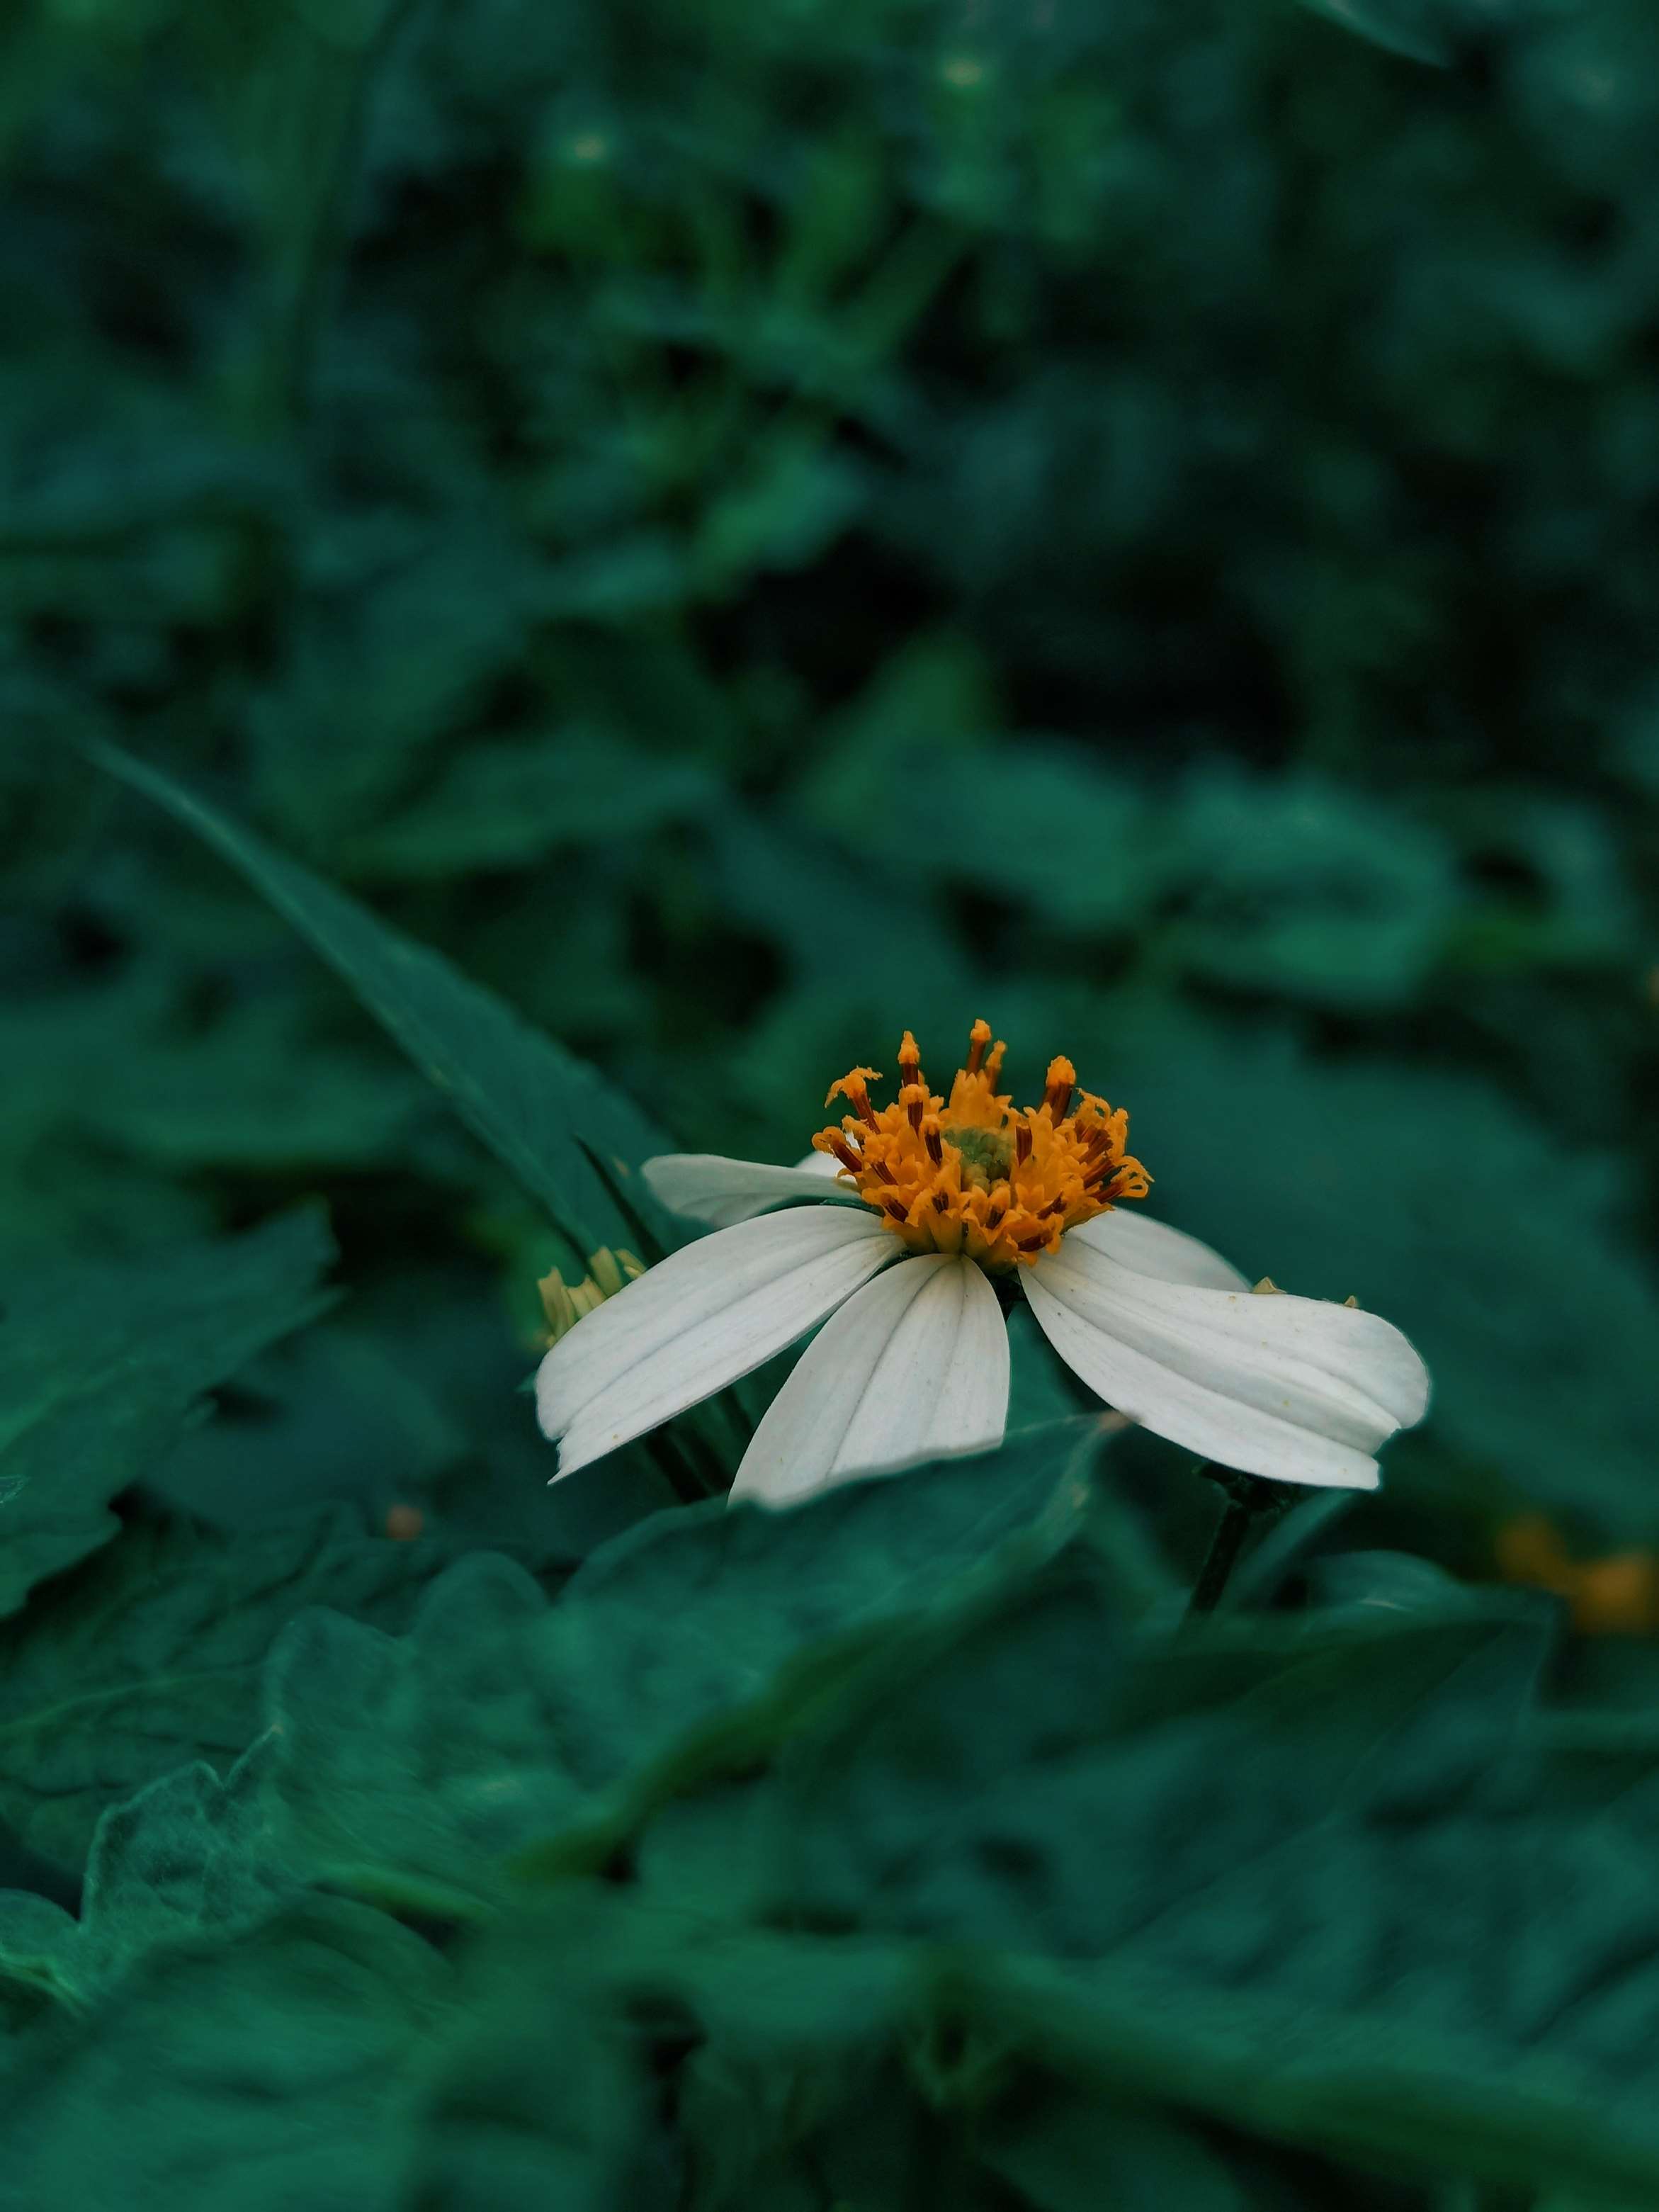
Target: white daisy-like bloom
[{"x": 891, "y": 1239}]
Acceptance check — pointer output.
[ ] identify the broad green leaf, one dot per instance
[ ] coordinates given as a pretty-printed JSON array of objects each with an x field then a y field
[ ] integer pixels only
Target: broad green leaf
[
  {"x": 425, "y": 1757},
  {"x": 498, "y": 1719},
  {"x": 538, "y": 1107},
  {"x": 100, "y": 1367},
  {"x": 805, "y": 2069},
  {"x": 1284, "y": 1874},
  {"x": 692, "y": 1613},
  {"x": 1319, "y": 1718},
  {"x": 203, "y": 2036},
  {"x": 187, "y": 1858},
  {"x": 1280, "y": 1877},
  {"x": 150, "y": 1655},
  {"x": 276, "y": 2072}
]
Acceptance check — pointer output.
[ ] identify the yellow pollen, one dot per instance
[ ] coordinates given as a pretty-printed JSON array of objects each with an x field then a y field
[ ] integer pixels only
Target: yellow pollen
[
  {"x": 854, "y": 1087},
  {"x": 1061, "y": 1082},
  {"x": 973, "y": 1173}
]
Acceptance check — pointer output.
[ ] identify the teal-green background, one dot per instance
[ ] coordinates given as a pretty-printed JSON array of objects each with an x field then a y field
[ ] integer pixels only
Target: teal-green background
[
  {"x": 753, "y": 528},
  {"x": 750, "y": 528}
]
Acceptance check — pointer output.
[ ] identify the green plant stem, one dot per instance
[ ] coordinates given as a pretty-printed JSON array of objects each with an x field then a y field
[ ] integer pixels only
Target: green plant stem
[{"x": 1247, "y": 1496}]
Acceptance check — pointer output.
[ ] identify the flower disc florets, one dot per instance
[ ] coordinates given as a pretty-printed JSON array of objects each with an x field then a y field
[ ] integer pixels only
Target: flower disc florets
[{"x": 974, "y": 1172}]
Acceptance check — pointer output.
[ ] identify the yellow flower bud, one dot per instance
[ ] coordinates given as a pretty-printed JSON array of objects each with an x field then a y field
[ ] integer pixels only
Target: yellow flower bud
[{"x": 564, "y": 1304}]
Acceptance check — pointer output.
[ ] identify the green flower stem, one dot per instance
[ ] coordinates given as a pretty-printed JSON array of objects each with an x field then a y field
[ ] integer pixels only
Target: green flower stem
[{"x": 1247, "y": 1496}]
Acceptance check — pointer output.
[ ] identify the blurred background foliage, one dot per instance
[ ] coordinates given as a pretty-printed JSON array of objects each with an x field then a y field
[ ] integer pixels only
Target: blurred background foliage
[{"x": 751, "y": 527}]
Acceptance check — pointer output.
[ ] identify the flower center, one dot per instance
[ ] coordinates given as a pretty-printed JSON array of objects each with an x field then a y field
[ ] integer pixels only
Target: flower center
[
  {"x": 987, "y": 1155},
  {"x": 973, "y": 1172}
]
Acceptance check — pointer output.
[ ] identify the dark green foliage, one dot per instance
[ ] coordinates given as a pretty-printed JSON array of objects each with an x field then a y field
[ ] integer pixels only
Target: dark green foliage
[
  {"x": 931, "y": 1890},
  {"x": 740, "y": 539},
  {"x": 664, "y": 541},
  {"x": 183, "y": 2085},
  {"x": 519, "y": 1714},
  {"x": 101, "y": 1368},
  {"x": 151, "y": 1655},
  {"x": 934, "y": 1834},
  {"x": 543, "y": 1112}
]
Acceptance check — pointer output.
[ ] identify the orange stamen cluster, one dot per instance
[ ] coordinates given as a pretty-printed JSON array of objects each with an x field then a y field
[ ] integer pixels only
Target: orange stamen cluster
[{"x": 974, "y": 1172}]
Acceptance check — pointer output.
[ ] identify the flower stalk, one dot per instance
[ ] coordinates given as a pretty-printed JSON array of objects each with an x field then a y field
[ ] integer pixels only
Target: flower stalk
[{"x": 1248, "y": 1494}]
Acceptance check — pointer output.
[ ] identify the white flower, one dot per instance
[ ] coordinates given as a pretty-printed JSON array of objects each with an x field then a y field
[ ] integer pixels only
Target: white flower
[{"x": 932, "y": 1201}]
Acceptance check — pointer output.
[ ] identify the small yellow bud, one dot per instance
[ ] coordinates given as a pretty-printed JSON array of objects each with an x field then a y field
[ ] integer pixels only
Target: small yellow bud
[
  {"x": 557, "y": 1305},
  {"x": 564, "y": 1304},
  {"x": 1267, "y": 1288},
  {"x": 611, "y": 1270}
]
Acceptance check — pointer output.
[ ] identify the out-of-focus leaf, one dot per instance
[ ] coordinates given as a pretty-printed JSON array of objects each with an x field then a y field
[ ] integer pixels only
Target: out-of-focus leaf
[
  {"x": 100, "y": 1367},
  {"x": 910, "y": 775},
  {"x": 1258, "y": 1576},
  {"x": 1261, "y": 1876},
  {"x": 150, "y": 1655},
  {"x": 250, "y": 1093},
  {"x": 278, "y": 2071},
  {"x": 1294, "y": 887},
  {"x": 542, "y": 2094},
  {"x": 424, "y": 1757},
  {"x": 750, "y": 1588},
  {"x": 395, "y": 646},
  {"x": 1436, "y": 1203},
  {"x": 520, "y": 1716},
  {"x": 1064, "y": 2152},
  {"x": 1385, "y": 1582},
  {"x": 266, "y": 2049},
  {"x": 412, "y": 1398},
  {"x": 794, "y": 500},
  {"x": 1256, "y": 1878},
  {"x": 341, "y": 1414},
  {"x": 1417, "y": 28},
  {"x": 187, "y": 1858},
  {"x": 500, "y": 806},
  {"x": 1436, "y": 30},
  {"x": 1334, "y": 1720},
  {"x": 537, "y": 1106}
]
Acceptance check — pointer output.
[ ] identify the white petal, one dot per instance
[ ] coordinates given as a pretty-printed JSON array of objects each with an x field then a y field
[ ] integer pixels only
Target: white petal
[
  {"x": 1153, "y": 1248},
  {"x": 1291, "y": 1388},
  {"x": 700, "y": 1319},
  {"x": 706, "y": 1187},
  {"x": 915, "y": 1367}
]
